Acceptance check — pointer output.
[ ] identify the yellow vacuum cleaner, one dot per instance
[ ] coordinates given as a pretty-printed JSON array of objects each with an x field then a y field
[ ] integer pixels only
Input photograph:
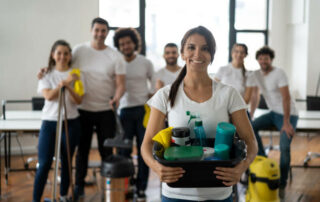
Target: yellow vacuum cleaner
[{"x": 264, "y": 179}]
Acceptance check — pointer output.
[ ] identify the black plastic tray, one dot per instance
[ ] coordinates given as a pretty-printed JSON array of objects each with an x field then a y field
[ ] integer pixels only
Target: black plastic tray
[{"x": 200, "y": 173}]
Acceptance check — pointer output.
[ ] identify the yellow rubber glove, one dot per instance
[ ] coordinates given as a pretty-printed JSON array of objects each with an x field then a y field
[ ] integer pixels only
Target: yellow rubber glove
[
  {"x": 146, "y": 115},
  {"x": 164, "y": 137},
  {"x": 78, "y": 85}
]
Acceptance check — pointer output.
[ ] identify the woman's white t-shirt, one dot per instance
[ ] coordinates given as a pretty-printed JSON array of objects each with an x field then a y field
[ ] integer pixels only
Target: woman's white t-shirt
[
  {"x": 224, "y": 101},
  {"x": 233, "y": 76},
  {"x": 50, "y": 109}
]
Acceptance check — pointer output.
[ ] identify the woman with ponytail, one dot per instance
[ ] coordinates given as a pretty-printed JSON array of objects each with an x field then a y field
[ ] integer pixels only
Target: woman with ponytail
[
  {"x": 235, "y": 74},
  {"x": 215, "y": 102}
]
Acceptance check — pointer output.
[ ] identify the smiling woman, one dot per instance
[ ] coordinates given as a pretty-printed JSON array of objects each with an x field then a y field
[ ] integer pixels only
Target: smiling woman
[
  {"x": 196, "y": 54},
  {"x": 214, "y": 102}
]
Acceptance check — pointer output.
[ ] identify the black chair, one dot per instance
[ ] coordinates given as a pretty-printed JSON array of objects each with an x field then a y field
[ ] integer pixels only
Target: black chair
[
  {"x": 37, "y": 103},
  {"x": 262, "y": 103}
]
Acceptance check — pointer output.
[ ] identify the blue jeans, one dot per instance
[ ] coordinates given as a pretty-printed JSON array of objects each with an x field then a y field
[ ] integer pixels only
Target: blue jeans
[
  {"x": 46, "y": 147},
  {"x": 165, "y": 199},
  {"x": 274, "y": 119},
  {"x": 132, "y": 122}
]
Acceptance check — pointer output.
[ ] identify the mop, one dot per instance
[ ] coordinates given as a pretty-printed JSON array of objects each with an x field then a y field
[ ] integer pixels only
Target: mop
[{"x": 62, "y": 108}]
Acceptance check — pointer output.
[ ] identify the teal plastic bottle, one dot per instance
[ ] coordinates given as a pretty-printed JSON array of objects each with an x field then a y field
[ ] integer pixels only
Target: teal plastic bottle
[
  {"x": 200, "y": 134},
  {"x": 225, "y": 134}
]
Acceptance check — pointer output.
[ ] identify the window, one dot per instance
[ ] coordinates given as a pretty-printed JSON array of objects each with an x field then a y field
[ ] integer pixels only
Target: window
[
  {"x": 120, "y": 13},
  {"x": 242, "y": 21},
  {"x": 254, "y": 41},
  {"x": 249, "y": 25},
  {"x": 167, "y": 21},
  {"x": 250, "y": 14}
]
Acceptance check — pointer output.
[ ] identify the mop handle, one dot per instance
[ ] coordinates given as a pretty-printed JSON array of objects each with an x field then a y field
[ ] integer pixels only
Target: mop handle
[
  {"x": 57, "y": 144},
  {"x": 68, "y": 146}
]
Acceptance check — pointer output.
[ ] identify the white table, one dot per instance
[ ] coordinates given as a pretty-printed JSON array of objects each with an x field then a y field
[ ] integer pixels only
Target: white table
[
  {"x": 303, "y": 114},
  {"x": 23, "y": 115},
  {"x": 20, "y": 125},
  {"x": 19, "y": 122}
]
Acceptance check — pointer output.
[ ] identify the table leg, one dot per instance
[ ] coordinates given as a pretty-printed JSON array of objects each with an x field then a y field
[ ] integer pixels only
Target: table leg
[
  {"x": 9, "y": 156},
  {"x": 5, "y": 158},
  {"x": 0, "y": 162}
]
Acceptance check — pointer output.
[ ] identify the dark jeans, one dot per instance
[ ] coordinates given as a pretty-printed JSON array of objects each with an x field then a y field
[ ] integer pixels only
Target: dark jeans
[
  {"x": 274, "y": 119},
  {"x": 46, "y": 147},
  {"x": 132, "y": 119},
  {"x": 104, "y": 124},
  {"x": 165, "y": 199}
]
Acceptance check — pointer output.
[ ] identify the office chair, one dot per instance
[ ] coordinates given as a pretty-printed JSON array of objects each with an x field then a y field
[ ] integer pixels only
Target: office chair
[
  {"x": 262, "y": 103},
  {"x": 37, "y": 103}
]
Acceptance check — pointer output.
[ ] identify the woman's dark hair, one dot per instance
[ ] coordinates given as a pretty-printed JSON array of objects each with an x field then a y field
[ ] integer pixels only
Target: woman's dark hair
[
  {"x": 132, "y": 33},
  {"x": 211, "y": 43},
  {"x": 244, "y": 46},
  {"x": 51, "y": 62},
  {"x": 265, "y": 50}
]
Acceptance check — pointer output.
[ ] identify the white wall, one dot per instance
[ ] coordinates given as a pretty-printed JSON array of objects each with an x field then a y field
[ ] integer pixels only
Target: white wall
[
  {"x": 313, "y": 47},
  {"x": 294, "y": 34},
  {"x": 278, "y": 31},
  {"x": 28, "y": 30}
]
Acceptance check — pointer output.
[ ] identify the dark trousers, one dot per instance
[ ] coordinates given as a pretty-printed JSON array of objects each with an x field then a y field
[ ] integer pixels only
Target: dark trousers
[
  {"x": 46, "y": 147},
  {"x": 132, "y": 119},
  {"x": 104, "y": 124},
  {"x": 274, "y": 119}
]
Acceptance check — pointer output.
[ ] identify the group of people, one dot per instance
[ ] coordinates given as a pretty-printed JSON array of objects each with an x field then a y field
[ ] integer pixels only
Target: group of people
[{"x": 126, "y": 79}]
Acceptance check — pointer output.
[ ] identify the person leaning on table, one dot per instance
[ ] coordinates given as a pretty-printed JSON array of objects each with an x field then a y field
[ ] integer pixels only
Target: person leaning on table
[{"x": 193, "y": 89}]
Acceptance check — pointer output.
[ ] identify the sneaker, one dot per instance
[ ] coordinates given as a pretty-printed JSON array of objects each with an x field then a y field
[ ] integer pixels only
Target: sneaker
[
  {"x": 282, "y": 193},
  {"x": 139, "y": 196},
  {"x": 78, "y": 192}
]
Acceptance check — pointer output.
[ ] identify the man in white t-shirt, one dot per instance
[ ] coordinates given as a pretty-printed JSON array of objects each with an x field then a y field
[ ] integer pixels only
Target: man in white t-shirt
[
  {"x": 139, "y": 76},
  {"x": 170, "y": 72},
  {"x": 104, "y": 72},
  {"x": 273, "y": 84}
]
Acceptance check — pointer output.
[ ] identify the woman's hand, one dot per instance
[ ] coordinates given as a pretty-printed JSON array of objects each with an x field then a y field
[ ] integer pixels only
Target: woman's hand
[
  {"x": 288, "y": 129},
  {"x": 168, "y": 174},
  {"x": 230, "y": 176},
  {"x": 62, "y": 84},
  {"x": 71, "y": 78}
]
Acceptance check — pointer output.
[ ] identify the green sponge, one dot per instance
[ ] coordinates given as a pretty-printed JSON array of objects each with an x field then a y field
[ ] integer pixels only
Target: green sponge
[{"x": 183, "y": 153}]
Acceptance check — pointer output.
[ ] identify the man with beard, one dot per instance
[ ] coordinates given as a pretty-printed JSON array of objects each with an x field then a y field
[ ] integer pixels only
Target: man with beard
[
  {"x": 170, "y": 72},
  {"x": 139, "y": 76},
  {"x": 273, "y": 84},
  {"x": 104, "y": 73}
]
